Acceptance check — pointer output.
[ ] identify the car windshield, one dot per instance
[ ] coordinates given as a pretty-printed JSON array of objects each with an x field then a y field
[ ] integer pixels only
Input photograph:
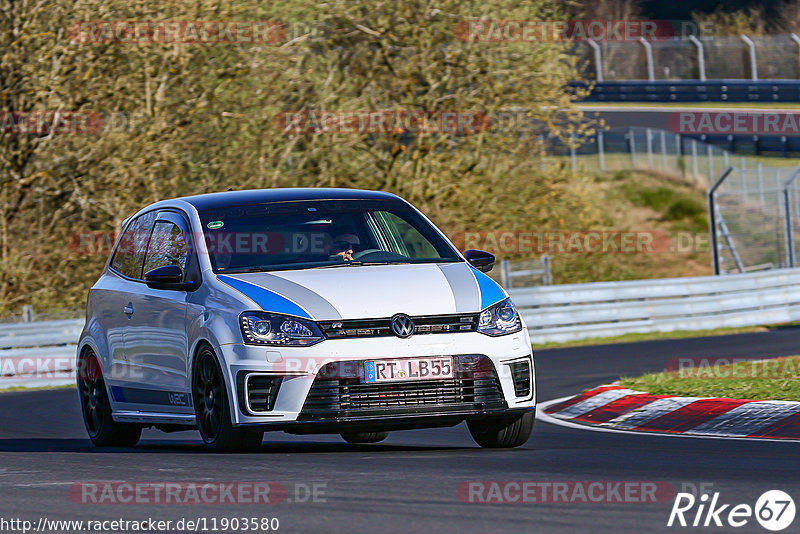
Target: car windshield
[{"x": 320, "y": 234}]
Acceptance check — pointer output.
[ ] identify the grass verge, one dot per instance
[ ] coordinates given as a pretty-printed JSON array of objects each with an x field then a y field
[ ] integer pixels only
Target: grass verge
[
  {"x": 654, "y": 336},
  {"x": 773, "y": 379}
]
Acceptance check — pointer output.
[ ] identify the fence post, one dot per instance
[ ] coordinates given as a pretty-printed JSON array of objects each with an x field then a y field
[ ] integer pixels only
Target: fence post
[
  {"x": 598, "y": 58},
  {"x": 796, "y": 39},
  {"x": 663, "y": 150},
  {"x": 648, "y": 54},
  {"x": 788, "y": 231},
  {"x": 701, "y": 61},
  {"x": 505, "y": 278},
  {"x": 710, "y": 155},
  {"x": 796, "y": 200},
  {"x": 753, "y": 66},
  {"x": 601, "y": 150},
  {"x": 548, "y": 275},
  {"x": 27, "y": 313},
  {"x": 632, "y": 144},
  {"x": 712, "y": 218},
  {"x": 695, "y": 168},
  {"x": 649, "y": 140}
]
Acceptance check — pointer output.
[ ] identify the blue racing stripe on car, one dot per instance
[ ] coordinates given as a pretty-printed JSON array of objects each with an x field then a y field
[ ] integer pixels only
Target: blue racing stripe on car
[
  {"x": 491, "y": 292},
  {"x": 149, "y": 396},
  {"x": 267, "y": 300}
]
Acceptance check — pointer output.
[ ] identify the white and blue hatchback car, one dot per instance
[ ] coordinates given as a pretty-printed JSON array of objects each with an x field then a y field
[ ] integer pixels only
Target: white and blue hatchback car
[{"x": 301, "y": 310}]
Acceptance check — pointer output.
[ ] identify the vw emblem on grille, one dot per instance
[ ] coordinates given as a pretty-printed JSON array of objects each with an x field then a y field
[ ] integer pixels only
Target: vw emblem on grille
[{"x": 402, "y": 325}]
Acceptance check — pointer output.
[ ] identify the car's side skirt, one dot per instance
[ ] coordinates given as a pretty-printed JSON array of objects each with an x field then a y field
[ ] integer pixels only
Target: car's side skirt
[{"x": 154, "y": 418}]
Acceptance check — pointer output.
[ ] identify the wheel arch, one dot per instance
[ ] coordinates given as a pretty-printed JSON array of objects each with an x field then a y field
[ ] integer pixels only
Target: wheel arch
[{"x": 230, "y": 386}]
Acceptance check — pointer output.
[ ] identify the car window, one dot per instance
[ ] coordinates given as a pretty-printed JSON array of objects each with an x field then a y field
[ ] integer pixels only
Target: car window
[
  {"x": 402, "y": 237},
  {"x": 168, "y": 246},
  {"x": 129, "y": 254},
  {"x": 323, "y": 233}
]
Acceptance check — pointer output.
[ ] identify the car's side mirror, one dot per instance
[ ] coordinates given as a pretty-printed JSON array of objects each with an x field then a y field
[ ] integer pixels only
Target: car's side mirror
[
  {"x": 166, "y": 277},
  {"x": 481, "y": 260}
]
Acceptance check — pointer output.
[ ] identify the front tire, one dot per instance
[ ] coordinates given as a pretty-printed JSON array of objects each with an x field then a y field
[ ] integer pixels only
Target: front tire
[
  {"x": 364, "y": 437},
  {"x": 212, "y": 409},
  {"x": 96, "y": 408},
  {"x": 503, "y": 431}
]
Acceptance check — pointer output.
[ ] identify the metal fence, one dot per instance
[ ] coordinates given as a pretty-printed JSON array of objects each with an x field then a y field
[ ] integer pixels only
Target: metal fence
[
  {"x": 42, "y": 353},
  {"x": 552, "y": 313},
  {"x": 578, "y": 311},
  {"x": 660, "y": 151},
  {"x": 749, "y": 91},
  {"x": 755, "y": 214},
  {"x": 692, "y": 58},
  {"x": 525, "y": 273},
  {"x": 756, "y": 207}
]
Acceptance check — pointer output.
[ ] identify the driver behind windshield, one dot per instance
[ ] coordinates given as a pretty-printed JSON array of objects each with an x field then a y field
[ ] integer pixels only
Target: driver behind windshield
[{"x": 344, "y": 245}]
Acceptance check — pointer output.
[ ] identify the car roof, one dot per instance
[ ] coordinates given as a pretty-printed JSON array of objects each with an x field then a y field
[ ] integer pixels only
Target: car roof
[{"x": 263, "y": 196}]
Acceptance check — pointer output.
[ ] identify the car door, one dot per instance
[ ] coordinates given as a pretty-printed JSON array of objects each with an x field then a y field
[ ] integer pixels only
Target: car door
[
  {"x": 156, "y": 335},
  {"x": 114, "y": 294}
]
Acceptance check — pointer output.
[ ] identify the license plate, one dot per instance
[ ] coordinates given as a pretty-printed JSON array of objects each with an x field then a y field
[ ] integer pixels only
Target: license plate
[{"x": 408, "y": 369}]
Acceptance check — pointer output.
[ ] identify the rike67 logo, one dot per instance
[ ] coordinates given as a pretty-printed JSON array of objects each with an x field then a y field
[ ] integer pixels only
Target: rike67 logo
[{"x": 774, "y": 510}]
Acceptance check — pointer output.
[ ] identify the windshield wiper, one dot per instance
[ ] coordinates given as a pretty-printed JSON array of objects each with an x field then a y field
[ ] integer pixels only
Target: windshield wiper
[
  {"x": 338, "y": 264},
  {"x": 358, "y": 263}
]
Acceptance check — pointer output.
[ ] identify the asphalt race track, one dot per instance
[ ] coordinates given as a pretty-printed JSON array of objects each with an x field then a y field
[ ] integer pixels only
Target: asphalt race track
[{"x": 408, "y": 483}]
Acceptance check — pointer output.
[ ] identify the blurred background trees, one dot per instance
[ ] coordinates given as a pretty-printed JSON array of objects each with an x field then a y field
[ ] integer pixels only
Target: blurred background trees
[{"x": 183, "y": 119}]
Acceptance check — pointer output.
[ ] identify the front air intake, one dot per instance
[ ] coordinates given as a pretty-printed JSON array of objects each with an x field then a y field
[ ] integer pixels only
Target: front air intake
[
  {"x": 521, "y": 375},
  {"x": 257, "y": 392}
]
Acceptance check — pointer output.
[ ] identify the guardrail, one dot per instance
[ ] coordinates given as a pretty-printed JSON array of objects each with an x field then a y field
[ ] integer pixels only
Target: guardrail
[
  {"x": 35, "y": 354},
  {"x": 693, "y": 91},
  {"x": 527, "y": 270},
  {"x": 692, "y": 57},
  {"x": 578, "y": 311},
  {"x": 552, "y": 314}
]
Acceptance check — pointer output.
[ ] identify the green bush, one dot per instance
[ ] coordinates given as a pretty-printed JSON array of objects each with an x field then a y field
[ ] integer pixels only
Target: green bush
[
  {"x": 683, "y": 208},
  {"x": 658, "y": 198}
]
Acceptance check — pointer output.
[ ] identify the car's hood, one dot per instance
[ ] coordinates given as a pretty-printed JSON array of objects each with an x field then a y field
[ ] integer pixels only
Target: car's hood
[{"x": 367, "y": 292}]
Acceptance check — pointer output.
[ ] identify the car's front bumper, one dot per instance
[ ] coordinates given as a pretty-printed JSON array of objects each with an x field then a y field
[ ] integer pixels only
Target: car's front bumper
[{"x": 295, "y": 371}]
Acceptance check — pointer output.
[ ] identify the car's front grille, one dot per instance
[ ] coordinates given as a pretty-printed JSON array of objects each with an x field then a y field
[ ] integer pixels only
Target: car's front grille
[
  {"x": 431, "y": 324},
  {"x": 475, "y": 386},
  {"x": 257, "y": 392}
]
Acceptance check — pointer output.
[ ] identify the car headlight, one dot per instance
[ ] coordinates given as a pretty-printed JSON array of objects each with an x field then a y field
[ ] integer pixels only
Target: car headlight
[
  {"x": 259, "y": 328},
  {"x": 499, "y": 319}
]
